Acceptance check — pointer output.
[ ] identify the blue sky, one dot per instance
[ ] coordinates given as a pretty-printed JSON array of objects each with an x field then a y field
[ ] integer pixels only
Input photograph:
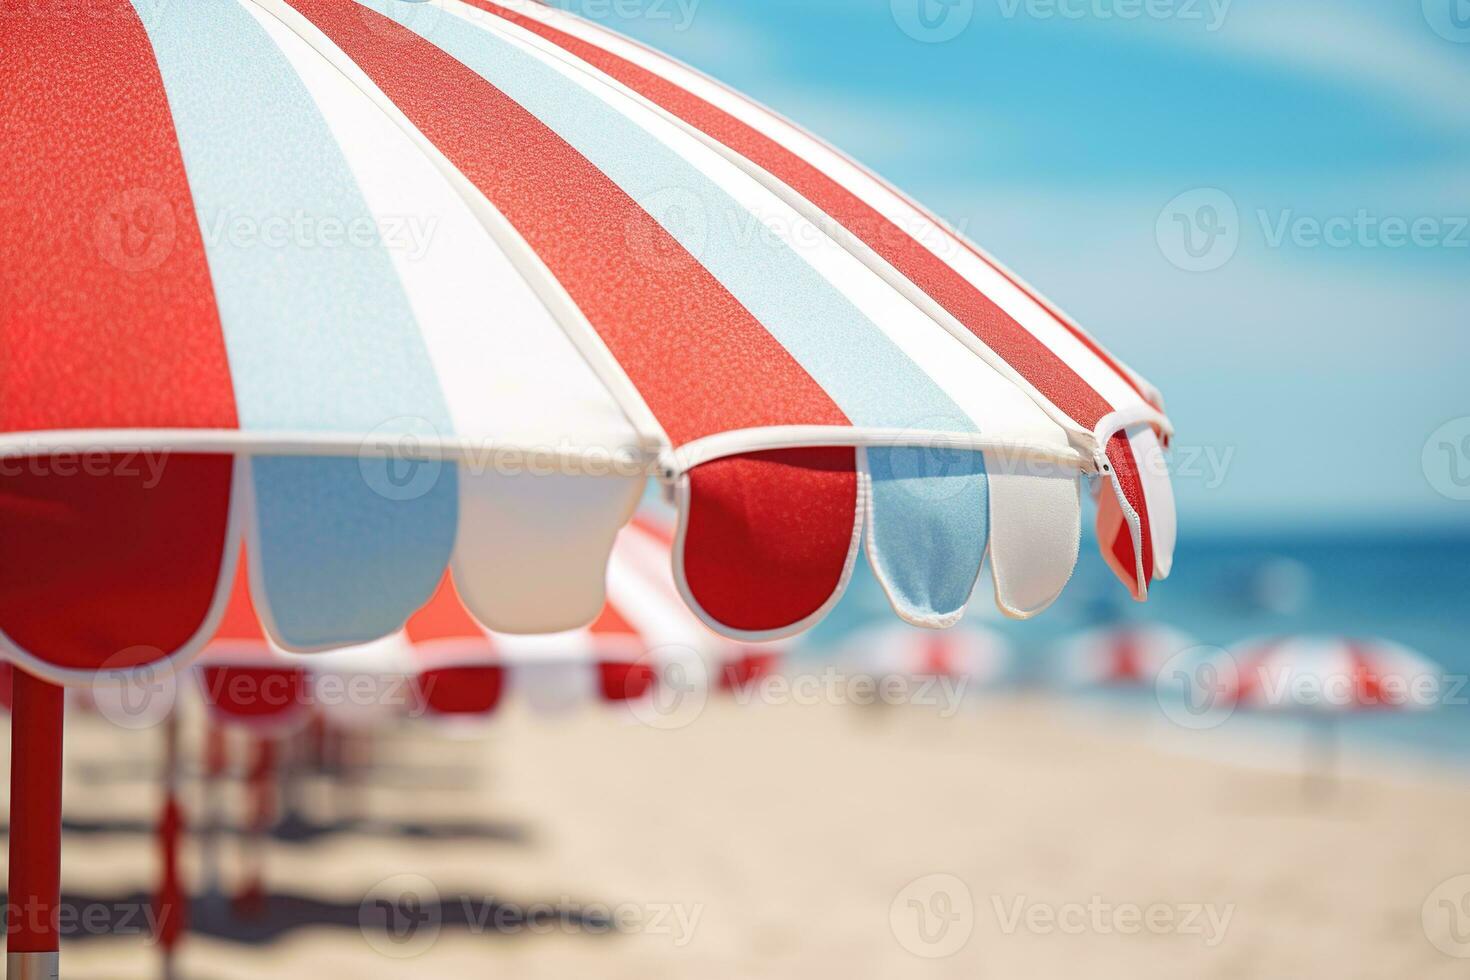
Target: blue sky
[{"x": 1060, "y": 134}]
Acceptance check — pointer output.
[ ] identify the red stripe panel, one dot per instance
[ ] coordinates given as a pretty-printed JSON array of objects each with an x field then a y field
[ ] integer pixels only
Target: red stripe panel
[
  {"x": 980, "y": 315},
  {"x": 624, "y": 681},
  {"x": 240, "y": 621},
  {"x": 746, "y": 670},
  {"x": 762, "y": 550},
  {"x": 107, "y": 313},
  {"x": 1367, "y": 680},
  {"x": 610, "y": 622},
  {"x": 444, "y": 618},
  {"x": 1125, "y": 473},
  {"x": 107, "y": 318},
  {"x": 109, "y": 564},
  {"x": 258, "y": 693},
  {"x": 472, "y": 690},
  {"x": 700, "y": 360}
]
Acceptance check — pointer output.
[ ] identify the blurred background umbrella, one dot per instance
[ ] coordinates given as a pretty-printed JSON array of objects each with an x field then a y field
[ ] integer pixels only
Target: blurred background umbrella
[
  {"x": 969, "y": 657},
  {"x": 1319, "y": 679},
  {"x": 1118, "y": 655}
]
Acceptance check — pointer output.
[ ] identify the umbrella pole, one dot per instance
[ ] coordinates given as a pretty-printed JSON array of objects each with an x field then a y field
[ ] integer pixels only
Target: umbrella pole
[
  {"x": 33, "y": 923},
  {"x": 170, "y": 904},
  {"x": 1320, "y": 773},
  {"x": 216, "y": 761}
]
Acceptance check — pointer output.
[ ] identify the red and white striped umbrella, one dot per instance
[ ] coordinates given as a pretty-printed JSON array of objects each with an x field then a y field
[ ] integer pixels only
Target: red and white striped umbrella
[
  {"x": 384, "y": 287},
  {"x": 1131, "y": 654},
  {"x": 1322, "y": 674},
  {"x": 445, "y": 664},
  {"x": 973, "y": 654},
  {"x": 204, "y": 187}
]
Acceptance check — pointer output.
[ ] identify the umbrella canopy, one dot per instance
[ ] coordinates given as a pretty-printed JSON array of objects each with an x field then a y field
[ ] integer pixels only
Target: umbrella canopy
[
  {"x": 972, "y": 654},
  {"x": 1131, "y": 654},
  {"x": 1323, "y": 674},
  {"x": 445, "y": 664},
  {"x": 384, "y": 287}
]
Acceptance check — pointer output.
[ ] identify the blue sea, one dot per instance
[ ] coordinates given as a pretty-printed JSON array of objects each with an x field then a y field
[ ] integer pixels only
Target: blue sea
[{"x": 1412, "y": 587}]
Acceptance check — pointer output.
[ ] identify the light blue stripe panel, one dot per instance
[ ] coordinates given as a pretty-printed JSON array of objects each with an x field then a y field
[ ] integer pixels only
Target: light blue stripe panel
[
  {"x": 931, "y": 520},
  {"x": 866, "y": 374},
  {"x": 319, "y": 332},
  {"x": 353, "y": 550}
]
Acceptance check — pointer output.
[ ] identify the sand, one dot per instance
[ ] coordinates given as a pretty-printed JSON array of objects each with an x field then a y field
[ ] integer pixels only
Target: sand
[{"x": 1018, "y": 839}]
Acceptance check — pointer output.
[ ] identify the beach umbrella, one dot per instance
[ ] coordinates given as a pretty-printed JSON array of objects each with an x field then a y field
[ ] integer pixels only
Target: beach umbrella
[
  {"x": 1126, "y": 655},
  {"x": 1327, "y": 675},
  {"x": 969, "y": 657},
  {"x": 384, "y": 287},
  {"x": 1319, "y": 679}
]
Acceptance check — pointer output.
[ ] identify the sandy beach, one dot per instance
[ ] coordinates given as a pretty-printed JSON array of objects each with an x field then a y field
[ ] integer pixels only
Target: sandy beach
[{"x": 1013, "y": 840}]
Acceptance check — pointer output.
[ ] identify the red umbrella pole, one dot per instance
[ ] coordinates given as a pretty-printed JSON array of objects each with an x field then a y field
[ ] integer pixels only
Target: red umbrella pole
[
  {"x": 32, "y": 925},
  {"x": 170, "y": 904}
]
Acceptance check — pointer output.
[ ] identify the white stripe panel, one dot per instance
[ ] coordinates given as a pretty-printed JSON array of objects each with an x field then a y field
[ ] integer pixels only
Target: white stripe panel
[
  {"x": 1158, "y": 494},
  {"x": 894, "y": 206},
  {"x": 1035, "y": 532},
  {"x": 650, "y": 558},
  {"x": 532, "y": 551},
  {"x": 991, "y": 401}
]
